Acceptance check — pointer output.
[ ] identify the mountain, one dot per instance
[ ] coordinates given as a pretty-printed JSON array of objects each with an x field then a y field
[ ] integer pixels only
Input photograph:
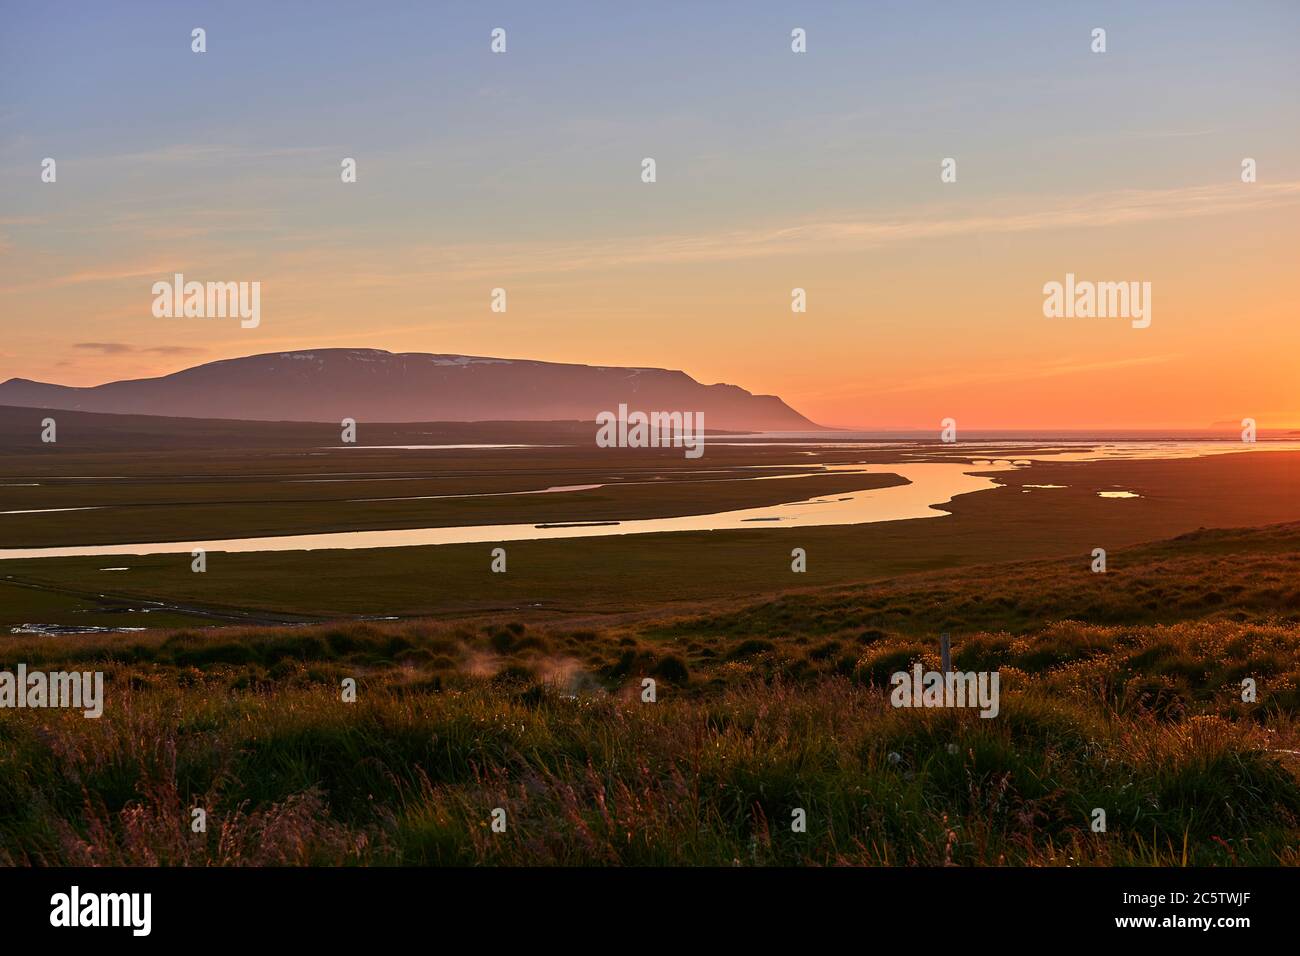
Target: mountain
[{"x": 328, "y": 385}]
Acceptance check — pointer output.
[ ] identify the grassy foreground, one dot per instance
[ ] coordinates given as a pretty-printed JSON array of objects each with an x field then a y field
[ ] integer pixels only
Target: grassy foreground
[{"x": 762, "y": 709}]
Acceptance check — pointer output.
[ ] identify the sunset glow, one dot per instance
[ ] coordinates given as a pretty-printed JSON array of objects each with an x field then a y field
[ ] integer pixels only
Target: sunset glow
[{"x": 820, "y": 172}]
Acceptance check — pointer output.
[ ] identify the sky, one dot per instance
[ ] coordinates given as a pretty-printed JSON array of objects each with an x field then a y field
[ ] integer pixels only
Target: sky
[{"x": 775, "y": 170}]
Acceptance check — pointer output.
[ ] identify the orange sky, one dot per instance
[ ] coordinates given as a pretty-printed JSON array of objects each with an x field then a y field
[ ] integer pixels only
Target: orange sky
[
  {"x": 935, "y": 314},
  {"x": 522, "y": 172}
]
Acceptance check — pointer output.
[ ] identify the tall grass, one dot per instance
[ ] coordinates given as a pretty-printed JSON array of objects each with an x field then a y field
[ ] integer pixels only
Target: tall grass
[
  {"x": 761, "y": 711},
  {"x": 1144, "y": 722}
]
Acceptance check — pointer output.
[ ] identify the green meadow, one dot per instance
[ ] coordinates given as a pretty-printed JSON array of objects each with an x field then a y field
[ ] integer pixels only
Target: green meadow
[
  {"x": 763, "y": 708},
  {"x": 387, "y": 706}
]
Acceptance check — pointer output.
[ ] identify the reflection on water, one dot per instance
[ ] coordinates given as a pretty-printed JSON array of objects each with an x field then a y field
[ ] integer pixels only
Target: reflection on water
[
  {"x": 929, "y": 484},
  {"x": 57, "y": 629},
  {"x": 434, "y": 447},
  {"x": 1129, "y": 450},
  {"x": 553, "y": 490}
]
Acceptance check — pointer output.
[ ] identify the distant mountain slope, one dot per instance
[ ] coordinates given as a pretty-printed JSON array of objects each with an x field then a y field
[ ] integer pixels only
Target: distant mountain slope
[{"x": 327, "y": 385}]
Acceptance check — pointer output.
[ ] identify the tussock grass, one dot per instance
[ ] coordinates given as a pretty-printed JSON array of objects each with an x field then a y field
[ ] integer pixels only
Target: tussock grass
[{"x": 779, "y": 706}]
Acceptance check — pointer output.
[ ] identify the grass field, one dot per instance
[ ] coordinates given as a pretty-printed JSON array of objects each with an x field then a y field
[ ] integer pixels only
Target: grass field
[
  {"x": 522, "y": 691},
  {"x": 601, "y": 576},
  {"x": 762, "y": 708}
]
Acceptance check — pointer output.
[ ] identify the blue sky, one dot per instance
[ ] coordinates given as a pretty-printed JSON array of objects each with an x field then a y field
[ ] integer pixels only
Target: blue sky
[{"x": 472, "y": 164}]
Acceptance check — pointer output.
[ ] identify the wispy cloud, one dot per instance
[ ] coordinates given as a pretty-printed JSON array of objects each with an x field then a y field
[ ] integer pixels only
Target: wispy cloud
[
  {"x": 117, "y": 273},
  {"x": 196, "y": 153},
  {"x": 944, "y": 379},
  {"x": 826, "y": 235},
  {"x": 988, "y": 376},
  {"x": 105, "y": 348},
  {"x": 122, "y": 348},
  {"x": 391, "y": 265}
]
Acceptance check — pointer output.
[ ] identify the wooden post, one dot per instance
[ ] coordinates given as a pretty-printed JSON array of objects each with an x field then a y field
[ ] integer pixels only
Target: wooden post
[{"x": 945, "y": 652}]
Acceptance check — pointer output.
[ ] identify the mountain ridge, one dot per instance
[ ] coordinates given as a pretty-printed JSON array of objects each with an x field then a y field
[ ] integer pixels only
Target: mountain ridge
[{"x": 311, "y": 385}]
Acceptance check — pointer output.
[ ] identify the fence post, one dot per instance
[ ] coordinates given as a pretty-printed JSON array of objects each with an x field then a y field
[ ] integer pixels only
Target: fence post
[{"x": 945, "y": 652}]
